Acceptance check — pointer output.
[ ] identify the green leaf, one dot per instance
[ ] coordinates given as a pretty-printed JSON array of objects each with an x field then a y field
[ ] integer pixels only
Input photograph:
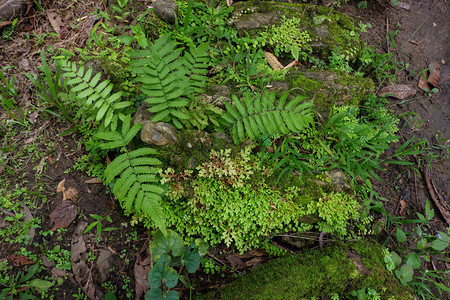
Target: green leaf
[
  {"x": 172, "y": 295},
  {"x": 40, "y": 285},
  {"x": 401, "y": 236},
  {"x": 192, "y": 258},
  {"x": 441, "y": 242},
  {"x": 396, "y": 258},
  {"x": 154, "y": 294},
  {"x": 414, "y": 260},
  {"x": 161, "y": 244},
  {"x": 161, "y": 270},
  {"x": 405, "y": 274}
]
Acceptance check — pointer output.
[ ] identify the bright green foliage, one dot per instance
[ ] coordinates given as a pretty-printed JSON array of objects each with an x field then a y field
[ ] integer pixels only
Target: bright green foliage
[
  {"x": 167, "y": 77},
  {"x": 94, "y": 96},
  {"x": 336, "y": 209},
  {"x": 258, "y": 115},
  {"x": 288, "y": 38},
  {"x": 137, "y": 187}
]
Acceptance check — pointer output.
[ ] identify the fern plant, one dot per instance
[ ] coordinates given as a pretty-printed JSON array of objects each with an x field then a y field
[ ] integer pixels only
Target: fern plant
[
  {"x": 167, "y": 78},
  {"x": 94, "y": 97},
  {"x": 257, "y": 116},
  {"x": 133, "y": 173}
]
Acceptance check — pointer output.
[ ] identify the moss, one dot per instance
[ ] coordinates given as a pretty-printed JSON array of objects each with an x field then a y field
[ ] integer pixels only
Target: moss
[
  {"x": 330, "y": 88},
  {"x": 327, "y": 28},
  {"x": 340, "y": 269}
]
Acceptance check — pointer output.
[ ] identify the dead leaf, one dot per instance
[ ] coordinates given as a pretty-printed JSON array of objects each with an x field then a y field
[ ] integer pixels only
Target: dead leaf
[
  {"x": 70, "y": 194},
  {"x": 27, "y": 216},
  {"x": 50, "y": 159},
  {"x": 403, "y": 207},
  {"x": 5, "y": 23},
  {"x": 93, "y": 181},
  {"x": 63, "y": 215},
  {"x": 40, "y": 167},
  {"x": 20, "y": 260},
  {"x": 273, "y": 205},
  {"x": 56, "y": 273},
  {"x": 435, "y": 74},
  {"x": 30, "y": 140},
  {"x": 56, "y": 22},
  {"x": 142, "y": 267},
  {"x": 80, "y": 269},
  {"x": 404, "y": 5},
  {"x": 33, "y": 117},
  {"x": 423, "y": 84},
  {"x": 292, "y": 64},
  {"x": 235, "y": 262},
  {"x": 60, "y": 188},
  {"x": 252, "y": 253},
  {"x": 399, "y": 91},
  {"x": 415, "y": 42},
  {"x": 273, "y": 61}
]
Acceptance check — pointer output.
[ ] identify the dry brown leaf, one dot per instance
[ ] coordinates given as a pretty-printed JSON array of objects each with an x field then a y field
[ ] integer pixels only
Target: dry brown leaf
[
  {"x": 5, "y": 23},
  {"x": 63, "y": 215},
  {"x": 20, "y": 260},
  {"x": 399, "y": 91},
  {"x": 27, "y": 216},
  {"x": 423, "y": 84},
  {"x": 142, "y": 267},
  {"x": 40, "y": 167},
  {"x": 33, "y": 117},
  {"x": 254, "y": 262},
  {"x": 235, "y": 262},
  {"x": 273, "y": 61},
  {"x": 56, "y": 22},
  {"x": 403, "y": 207},
  {"x": 80, "y": 269},
  {"x": 252, "y": 253},
  {"x": 292, "y": 64},
  {"x": 435, "y": 74},
  {"x": 93, "y": 181},
  {"x": 70, "y": 194},
  {"x": 60, "y": 188},
  {"x": 50, "y": 159}
]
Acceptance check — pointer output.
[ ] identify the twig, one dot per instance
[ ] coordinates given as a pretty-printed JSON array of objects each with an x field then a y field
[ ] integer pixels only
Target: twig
[
  {"x": 435, "y": 196},
  {"x": 387, "y": 34}
]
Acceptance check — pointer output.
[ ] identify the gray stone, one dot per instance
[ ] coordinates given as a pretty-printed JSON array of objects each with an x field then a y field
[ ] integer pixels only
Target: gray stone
[
  {"x": 166, "y": 10},
  {"x": 339, "y": 180},
  {"x": 158, "y": 134},
  {"x": 142, "y": 115},
  {"x": 10, "y": 9}
]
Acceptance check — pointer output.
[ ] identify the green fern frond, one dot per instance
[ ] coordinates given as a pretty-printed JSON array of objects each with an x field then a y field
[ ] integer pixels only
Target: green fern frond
[
  {"x": 167, "y": 78},
  {"x": 94, "y": 97},
  {"x": 255, "y": 116}
]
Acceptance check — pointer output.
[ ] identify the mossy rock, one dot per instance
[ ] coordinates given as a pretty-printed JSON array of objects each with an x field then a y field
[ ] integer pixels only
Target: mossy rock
[
  {"x": 328, "y": 88},
  {"x": 327, "y": 28},
  {"x": 338, "y": 269}
]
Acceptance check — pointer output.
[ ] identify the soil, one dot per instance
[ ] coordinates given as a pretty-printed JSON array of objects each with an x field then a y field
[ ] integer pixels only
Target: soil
[{"x": 422, "y": 38}]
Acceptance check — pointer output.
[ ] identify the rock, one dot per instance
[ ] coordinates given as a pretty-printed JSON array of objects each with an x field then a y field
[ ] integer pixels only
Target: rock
[
  {"x": 10, "y": 9},
  {"x": 158, "y": 134},
  {"x": 97, "y": 67},
  {"x": 339, "y": 180},
  {"x": 166, "y": 10},
  {"x": 47, "y": 262},
  {"x": 142, "y": 115},
  {"x": 327, "y": 88},
  {"x": 326, "y": 27}
]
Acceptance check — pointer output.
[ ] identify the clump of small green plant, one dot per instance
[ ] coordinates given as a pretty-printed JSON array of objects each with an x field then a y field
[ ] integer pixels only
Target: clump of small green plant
[
  {"x": 98, "y": 225},
  {"x": 287, "y": 38},
  {"x": 168, "y": 251}
]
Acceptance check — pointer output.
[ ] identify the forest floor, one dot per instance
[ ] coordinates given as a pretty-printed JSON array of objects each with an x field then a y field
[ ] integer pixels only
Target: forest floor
[{"x": 36, "y": 156}]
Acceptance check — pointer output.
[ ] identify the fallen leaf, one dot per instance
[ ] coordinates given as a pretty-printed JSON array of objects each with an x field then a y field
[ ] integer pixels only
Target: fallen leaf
[
  {"x": 56, "y": 22},
  {"x": 40, "y": 167},
  {"x": 93, "y": 181},
  {"x": 142, "y": 267},
  {"x": 235, "y": 262},
  {"x": 415, "y": 42},
  {"x": 27, "y": 216},
  {"x": 20, "y": 260},
  {"x": 404, "y": 5},
  {"x": 56, "y": 273},
  {"x": 273, "y": 205},
  {"x": 5, "y": 23},
  {"x": 50, "y": 159},
  {"x": 33, "y": 117},
  {"x": 63, "y": 215},
  {"x": 423, "y": 84},
  {"x": 80, "y": 269},
  {"x": 60, "y": 188},
  {"x": 292, "y": 64},
  {"x": 252, "y": 253},
  {"x": 435, "y": 74},
  {"x": 399, "y": 91},
  {"x": 403, "y": 207},
  {"x": 273, "y": 61},
  {"x": 70, "y": 194},
  {"x": 443, "y": 61},
  {"x": 30, "y": 140}
]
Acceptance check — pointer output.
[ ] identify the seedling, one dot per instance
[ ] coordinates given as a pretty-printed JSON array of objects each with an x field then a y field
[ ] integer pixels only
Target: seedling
[{"x": 98, "y": 225}]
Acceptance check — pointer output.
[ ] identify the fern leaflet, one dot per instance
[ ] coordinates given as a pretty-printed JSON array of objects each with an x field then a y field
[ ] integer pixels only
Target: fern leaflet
[{"x": 256, "y": 116}]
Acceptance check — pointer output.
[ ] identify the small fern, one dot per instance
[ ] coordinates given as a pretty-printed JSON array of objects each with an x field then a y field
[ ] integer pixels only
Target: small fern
[
  {"x": 94, "y": 97},
  {"x": 133, "y": 173},
  {"x": 256, "y": 116},
  {"x": 167, "y": 78}
]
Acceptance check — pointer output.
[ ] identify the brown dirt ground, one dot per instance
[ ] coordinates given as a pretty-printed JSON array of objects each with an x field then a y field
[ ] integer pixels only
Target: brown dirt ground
[{"x": 427, "y": 23}]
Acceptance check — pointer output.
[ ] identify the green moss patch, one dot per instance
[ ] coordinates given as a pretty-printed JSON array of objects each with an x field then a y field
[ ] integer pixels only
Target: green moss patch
[{"x": 338, "y": 269}]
